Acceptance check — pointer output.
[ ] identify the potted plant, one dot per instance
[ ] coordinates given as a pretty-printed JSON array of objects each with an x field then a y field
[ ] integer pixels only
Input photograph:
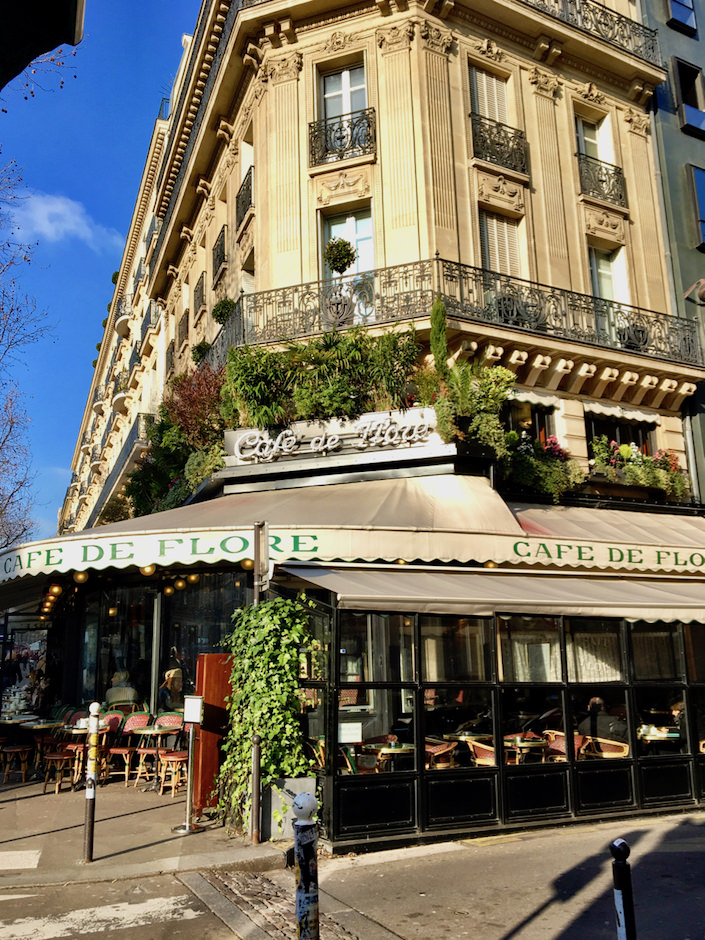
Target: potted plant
[
  {"x": 222, "y": 311},
  {"x": 200, "y": 351},
  {"x": 539, "y": 467},
  {"x": 339, "y": 255}
]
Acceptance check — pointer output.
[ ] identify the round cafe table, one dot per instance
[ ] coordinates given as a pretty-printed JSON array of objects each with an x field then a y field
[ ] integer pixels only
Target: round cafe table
[
  {"x": 156, "y": 732},
  {"x": 525, "y": 746}
]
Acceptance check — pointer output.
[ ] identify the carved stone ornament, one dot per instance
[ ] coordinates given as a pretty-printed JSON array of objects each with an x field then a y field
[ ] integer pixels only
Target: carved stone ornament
[
  {"x": 342, "y": 186},
  {"x": 605, "y": 225},
  {"x": 435, "y": 38},
  {"x": 338, "y": 42},
  {"x": 246, "y": 241},
  {"x": 287, "y": 68},
  {"x": 545, "y": 83},
  {"x": 500, "y": 193},
  {"x": 489, "y": 49},
  {"x": 637, "y": 122},
  {"x": 590, "y": 92},
  {"x": 396, "y": 37}
]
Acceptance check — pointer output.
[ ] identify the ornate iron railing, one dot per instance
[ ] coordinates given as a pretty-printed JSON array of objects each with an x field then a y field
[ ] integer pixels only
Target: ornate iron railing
[
  {"x": 170, "y": 357},
  {"x": 602, "y": 180},
  {"x": 135, "y": 360},
  {"x": 199, "y": 294},
  {"x": 182, "y": 330},
  {"x": 219, "y": 254},
  {"x": 144, "y": 422},
  {"x": 611, "y": 27},
  {"x": 338, "y": 138},
  {"x": 99, "y": 395},
  {"x": 408, "y": 291},
  {"x": 500, "y": 144},
  {"x": 123, "y": 308},
  {"x": 139, "y": 274},
  {"x": 154, "y": 227},
  {"x": 230, "y": 335},
  {"x": 149, "y": 320},
  {"x": 121, "y": 383},
  {"x": 244, "y": 199}
]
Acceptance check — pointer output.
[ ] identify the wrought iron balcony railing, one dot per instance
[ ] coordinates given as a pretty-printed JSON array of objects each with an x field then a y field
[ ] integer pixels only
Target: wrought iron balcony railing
[
  {"x": 602, "y": 180},
  {"x": 611, "y": 27},
  {"x": 244, "y": 200},
  {"x": 219, "y": 259},
  {"x": 199, "y": 294},
  {"x": 182, "y": 330},
  {"x": 170, "y": 358},
  {"x": 497, "y": 143},
  {"x": 407, "y": 291},
  {"x": 338, "y": 138},
  {"x": 139, "y": 274},
  {"x": 149, "y": 320}
]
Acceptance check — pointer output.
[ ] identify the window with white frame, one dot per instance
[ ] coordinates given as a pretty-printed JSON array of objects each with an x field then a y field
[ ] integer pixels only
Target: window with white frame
[
  {"x": 343, "y": 92},
  {"x": 602, "y": 274},
  {"x": 488, "y": 95},
  {"x": 356, "y": 228}
]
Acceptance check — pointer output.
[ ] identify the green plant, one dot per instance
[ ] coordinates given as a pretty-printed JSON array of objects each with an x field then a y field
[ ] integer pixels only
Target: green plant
[
  {"x": 200, "y": 351},
  {"x": 265, "y": 645},
  {"x": 625, "y": 463},
  {"x": 470, "y": 402},
  {"x": 339, "y": 255},
  {"x": 202, "y": 464},
  {"x": 159, "y": 474},
  {"x": 438, "y": 338},
  {"x": 257, "y": 388},
  {"x": 223, "y": 309},
  {"x": 544, "y": 468}
]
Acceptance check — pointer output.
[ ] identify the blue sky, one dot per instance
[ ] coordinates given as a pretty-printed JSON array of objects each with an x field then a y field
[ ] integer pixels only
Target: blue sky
[{"x": 82, "y": 150}]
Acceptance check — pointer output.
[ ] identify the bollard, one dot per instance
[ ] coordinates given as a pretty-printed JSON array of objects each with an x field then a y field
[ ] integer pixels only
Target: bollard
[
  {"x": 91, "y": 764},
  {"x": 623, "y": 897},
  {"x": 254, "y": 821},
  {"x": 306, "y": 862}
]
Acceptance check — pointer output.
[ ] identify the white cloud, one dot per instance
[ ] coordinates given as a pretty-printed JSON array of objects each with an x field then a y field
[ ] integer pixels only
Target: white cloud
[{"x": 43, "y": 216}]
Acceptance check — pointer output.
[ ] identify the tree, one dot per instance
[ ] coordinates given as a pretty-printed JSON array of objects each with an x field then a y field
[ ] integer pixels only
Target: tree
[{"x": 20, "y": 326}]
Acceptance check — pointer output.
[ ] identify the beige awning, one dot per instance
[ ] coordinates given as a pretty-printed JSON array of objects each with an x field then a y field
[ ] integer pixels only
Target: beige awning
[
  {"x": 441, "y": 517},
  {"x": 484, "y": 593}
]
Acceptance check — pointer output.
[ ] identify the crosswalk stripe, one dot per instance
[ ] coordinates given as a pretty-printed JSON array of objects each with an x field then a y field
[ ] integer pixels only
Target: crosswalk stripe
[
  {"x": 96, "y": 919},
  {"x": 13, "y": 861}
]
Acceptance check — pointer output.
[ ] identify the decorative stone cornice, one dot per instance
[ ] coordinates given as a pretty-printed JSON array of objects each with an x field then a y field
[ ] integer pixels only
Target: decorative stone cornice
[
  {"x": 435, "y": 38},
  {"x": 496, "y": 191},
  {"x": 395, "y": 38},
  {"x": 285, "y": 69},
  {"x": 637, "y": 122},
  {"x": 590, "y": 92},
  {"x": 338, "y": 42},
  {"x": 545, "y": 83},
  {"x": 344, "y": 185},
  {"x": 225, "y": 131},
  {"x": 203, "y": 187},
  {"x": 604, "y": 225},
  {"x": 489, "y": 49}
]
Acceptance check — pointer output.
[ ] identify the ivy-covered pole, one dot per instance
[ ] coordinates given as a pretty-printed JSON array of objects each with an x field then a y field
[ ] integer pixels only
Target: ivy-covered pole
[{"x": 306, "y": 862}]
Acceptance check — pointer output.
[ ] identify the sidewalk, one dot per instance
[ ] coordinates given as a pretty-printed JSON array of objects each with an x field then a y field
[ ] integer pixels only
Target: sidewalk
[{"x": 42, "y": 837}]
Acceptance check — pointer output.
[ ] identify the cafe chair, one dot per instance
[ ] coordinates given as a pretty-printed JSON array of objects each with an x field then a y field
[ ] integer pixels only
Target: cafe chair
[
  {"x": 172, "y": 720},
  {"x": 602, "y": 747},
  {"x": 57, "y": 762},
  {"x": 439, "y": 754},
  {"x": 175, "y": 764},
  {"x": 483, "y": 755},
  {"x": 701, "y": 746},
  {"x": 17, "y": 754},
  {"x": 124, "y": 747},
  {"x": 556, "y": 752}
]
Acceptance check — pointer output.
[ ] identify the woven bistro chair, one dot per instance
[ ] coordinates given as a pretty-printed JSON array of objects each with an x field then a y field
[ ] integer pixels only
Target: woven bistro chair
[
  {"x": 556, "y": 751},
  {"x": 439, "y": 754},
  {"x": 124, "y": 746},
  {"x": 174, "y": 720},
  {"x": 602, "y": 747}
]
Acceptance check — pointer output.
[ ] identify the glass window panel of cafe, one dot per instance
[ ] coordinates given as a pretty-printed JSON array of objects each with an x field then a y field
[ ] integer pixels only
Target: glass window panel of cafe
[
  {"x": 313, "y": 673},
  {"x": 375, "y": 724},
  {"x": 694, "y": 643},
  {"x": 456, "y": 717},
  {"x": 660, "y": 700},
  {"x": 119, "y": 633}
]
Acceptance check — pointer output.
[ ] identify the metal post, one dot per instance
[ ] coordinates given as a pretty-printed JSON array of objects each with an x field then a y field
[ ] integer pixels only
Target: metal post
[
  {"x": 189, "y": 826},
  {"x": 623, "y": 897},
  {"x": 91, "y": 764},
  {"x": 254, "y": 821},
  {"x": 306, "y": 862}
]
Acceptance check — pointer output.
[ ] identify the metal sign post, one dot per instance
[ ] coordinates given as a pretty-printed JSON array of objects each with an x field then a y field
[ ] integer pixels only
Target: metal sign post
[
  {"x": 306, "y": 861},
  {"x": 193, "y": 715},
  {"x": 91, "y": 765}
]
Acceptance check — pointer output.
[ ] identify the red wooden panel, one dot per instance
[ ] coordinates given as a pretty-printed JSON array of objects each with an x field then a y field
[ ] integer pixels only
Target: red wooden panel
[{"x": 213, "y": 683}]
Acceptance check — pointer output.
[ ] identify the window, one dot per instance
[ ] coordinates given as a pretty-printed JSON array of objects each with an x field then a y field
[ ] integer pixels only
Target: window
[
  {"x": 602, "y": 273},
  {"x": 344, "y": 92},
  {"x": 499, "y": 244},
  {"x": 586, "y": 133},
  {"x": 691, "y": 98},
  {"x": 621, "y": 431},
  {"x": 698, "y": 183},
  {"x": 526, "y": 417},
  {"x": 355, "y": 227},
  {"x": 682, "y": 16},
  {"x": 488, "y": 95}
]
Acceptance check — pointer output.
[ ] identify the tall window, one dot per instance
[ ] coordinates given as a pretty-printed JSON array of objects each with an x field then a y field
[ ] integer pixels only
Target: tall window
[
  {"x": 499, "y": 243},
  {"x": 488, "y": 95},
  {"x": 602, "y": 273},
  {"x": 344, "y": 92},
  {"x": 587, "y": 137},
  {"x": 355, "y": 227},
  {"x": 691, "y": 97},
  {"x": 698, "y": 181}
]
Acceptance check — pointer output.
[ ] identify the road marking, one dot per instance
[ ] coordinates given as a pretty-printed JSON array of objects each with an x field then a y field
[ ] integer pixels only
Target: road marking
[
  {"x": 13, "y": 861},
  {"x": 96, "y": 919},
  {"x": 16, "y": 897}
]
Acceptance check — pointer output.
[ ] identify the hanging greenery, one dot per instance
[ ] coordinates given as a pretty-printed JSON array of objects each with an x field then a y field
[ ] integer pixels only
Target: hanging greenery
[
  {"x": 265, "y": 645},
  {"x": 222, "y": 311},
  {"x": 543, "y": 468},
  {"x": 200, "y": 351}
]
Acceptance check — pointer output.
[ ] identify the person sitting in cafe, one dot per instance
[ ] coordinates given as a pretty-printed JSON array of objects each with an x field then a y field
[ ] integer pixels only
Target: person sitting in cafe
[
  {"x": 599, "y": 724},
  {"x": 121, "y": 691}
]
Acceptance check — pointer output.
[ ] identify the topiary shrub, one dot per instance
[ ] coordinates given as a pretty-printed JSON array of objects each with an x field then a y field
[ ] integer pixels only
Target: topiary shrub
[
  {"x": 200, "y": 351},
  {"x": 222, "y": 311},
  {"x": 339, "y": 255}
]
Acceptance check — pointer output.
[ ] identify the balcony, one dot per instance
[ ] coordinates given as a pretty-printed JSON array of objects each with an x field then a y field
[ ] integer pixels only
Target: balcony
[
  {"x": 406, "y": 292},
  {"x": 123, "y": 312},
  {"x": 139, "y": 274},
  {"x": 96, "y": 459},
  {"x": 244, "y": 201},
  {"x": 220, "y": 261},
  {"x": 149, "y": 322},
  {"x": 499, "y": 144},
  {"x": 199, "y": 296},
  {"x": 120, "y": 392},
  {"x": 170, "y": 358},
  {"x": 603, "y": 23},
  {"x": 601, "y": 180},
  {"x": 352, "y": 135},
  {"x": 86, "y": 442},
  {"x": 99, "y": 399},
  {"x": 182, "y": 330}
]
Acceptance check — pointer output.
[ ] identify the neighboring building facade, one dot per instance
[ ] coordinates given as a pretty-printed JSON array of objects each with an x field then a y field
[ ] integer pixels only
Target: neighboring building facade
[{"x": 499, "y": 155}]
